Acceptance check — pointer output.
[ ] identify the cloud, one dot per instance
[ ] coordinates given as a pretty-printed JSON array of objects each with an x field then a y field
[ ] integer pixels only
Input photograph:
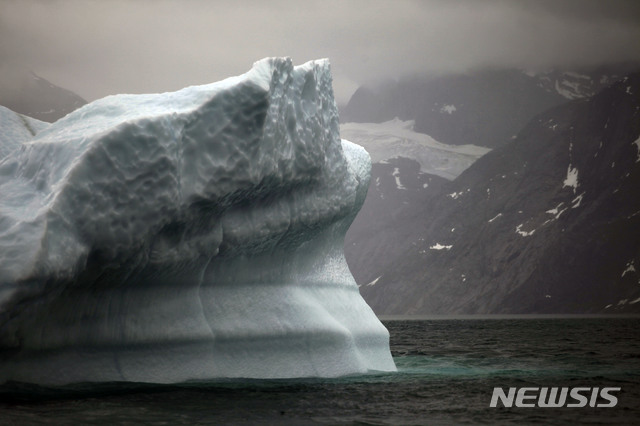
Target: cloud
[{"x": 96, "y": 48}]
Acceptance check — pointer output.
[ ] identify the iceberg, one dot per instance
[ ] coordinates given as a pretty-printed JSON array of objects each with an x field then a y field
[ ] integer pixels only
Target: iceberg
[{"x": 185, "y": 236}]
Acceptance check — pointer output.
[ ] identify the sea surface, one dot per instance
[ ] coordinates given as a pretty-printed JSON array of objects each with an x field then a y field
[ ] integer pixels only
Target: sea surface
[{"x": 447, "y": 369}]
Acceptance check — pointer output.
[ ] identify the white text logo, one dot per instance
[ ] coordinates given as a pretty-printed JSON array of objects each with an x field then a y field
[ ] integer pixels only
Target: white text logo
[{"x": 555, "y": 397}]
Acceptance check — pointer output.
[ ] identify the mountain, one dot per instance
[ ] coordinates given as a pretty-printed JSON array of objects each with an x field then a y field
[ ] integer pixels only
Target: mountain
[
  {"x": 485, "y": 108},
  {"x": 547, "y": 223},
  {"x": 388, "y": 218},
  {"x": 408, "y": 169},
  {"x": 33, "y": 96},
  {"x": 582, "y": 83}
]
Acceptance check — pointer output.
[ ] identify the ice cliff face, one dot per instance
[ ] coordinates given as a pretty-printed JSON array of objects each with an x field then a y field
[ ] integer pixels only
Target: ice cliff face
[{"x": 187, "y": 235}]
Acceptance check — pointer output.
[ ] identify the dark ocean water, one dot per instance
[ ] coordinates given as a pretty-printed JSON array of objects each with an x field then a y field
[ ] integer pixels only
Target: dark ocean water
[{"x": 447, "y": 369}]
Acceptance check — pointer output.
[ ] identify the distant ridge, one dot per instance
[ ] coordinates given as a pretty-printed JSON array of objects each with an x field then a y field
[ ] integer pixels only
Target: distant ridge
[
  {"x": 38, "y": 98},
  {"x": 485, "y": 108}
]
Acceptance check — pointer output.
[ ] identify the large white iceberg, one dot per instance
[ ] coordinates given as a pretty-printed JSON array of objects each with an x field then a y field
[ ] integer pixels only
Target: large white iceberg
[{"x": 185, "y": 236}]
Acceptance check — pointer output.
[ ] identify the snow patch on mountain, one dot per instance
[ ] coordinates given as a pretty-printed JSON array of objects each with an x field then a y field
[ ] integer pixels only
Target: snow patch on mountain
[
  {"x": 449, "y": 109},
  {"x": 572, "y": 178},
  {"x": 630, "y": 267},
  {"x": 556, "y": 211},
  {"x": 577, "y": 201},
  {"x": 456, "y": 195},
  {"x": 495, "y": 217},
  {"x": 396, "y": 175},
  {"x": 374, "y": 281},
  {"x": 439, "y": 246},
  {"x": 524, "y": 233},
  {"x": 567, "y": 92}
]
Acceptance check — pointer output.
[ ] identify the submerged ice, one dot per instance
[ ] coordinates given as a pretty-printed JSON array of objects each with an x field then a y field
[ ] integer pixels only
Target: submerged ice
[{"x": 185, "y": 236}]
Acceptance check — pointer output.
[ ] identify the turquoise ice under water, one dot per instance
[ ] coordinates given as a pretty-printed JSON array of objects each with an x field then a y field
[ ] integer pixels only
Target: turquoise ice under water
[{"x": 447, "y": 369}]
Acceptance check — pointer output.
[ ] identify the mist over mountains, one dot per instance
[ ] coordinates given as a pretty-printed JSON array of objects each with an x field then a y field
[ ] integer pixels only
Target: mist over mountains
[{"x": 485, "y": 108}]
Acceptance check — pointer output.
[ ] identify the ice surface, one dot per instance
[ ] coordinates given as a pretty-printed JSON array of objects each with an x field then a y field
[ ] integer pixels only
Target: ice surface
[
  {"x": 374, "y": 281},
  {"x": 15, "y": 129},
  {"x": 630, "y": 268},
  {"x": 187, "y": 236},
  {"x": 396, "y": 138}
]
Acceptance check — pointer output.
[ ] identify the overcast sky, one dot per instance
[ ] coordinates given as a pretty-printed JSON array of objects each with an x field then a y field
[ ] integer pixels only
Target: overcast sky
[{"x": 101, "y": 47}]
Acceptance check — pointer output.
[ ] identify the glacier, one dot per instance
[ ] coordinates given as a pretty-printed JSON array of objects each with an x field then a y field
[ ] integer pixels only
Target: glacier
[
  {"x": 397, "y": 138},
  {"x": 190, "y": 235}
]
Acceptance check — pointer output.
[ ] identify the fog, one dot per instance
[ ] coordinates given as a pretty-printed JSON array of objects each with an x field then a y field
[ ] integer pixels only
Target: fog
[{"x": 97, "y": 48}]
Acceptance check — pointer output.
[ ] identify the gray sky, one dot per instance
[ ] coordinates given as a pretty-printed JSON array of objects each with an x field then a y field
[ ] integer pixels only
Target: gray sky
[{"x": 101, "y": 47}]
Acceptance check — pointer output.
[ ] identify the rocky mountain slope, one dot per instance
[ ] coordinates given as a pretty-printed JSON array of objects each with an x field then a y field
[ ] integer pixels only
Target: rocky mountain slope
[
  {"x": 409, "y": 168},
  {"x": 549, "y": 222}
]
